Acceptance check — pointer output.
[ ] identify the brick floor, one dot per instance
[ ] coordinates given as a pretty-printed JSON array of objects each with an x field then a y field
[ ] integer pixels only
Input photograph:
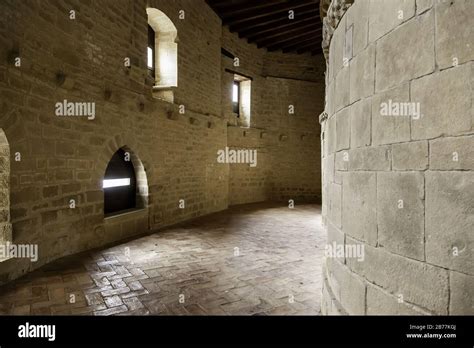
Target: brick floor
[{"x": 255, "y": 259}]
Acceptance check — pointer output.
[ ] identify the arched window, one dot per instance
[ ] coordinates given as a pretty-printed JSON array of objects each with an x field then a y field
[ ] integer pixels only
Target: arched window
[
  {"x": 120, "y": 184},
  {"x": 162, "y": 50}
]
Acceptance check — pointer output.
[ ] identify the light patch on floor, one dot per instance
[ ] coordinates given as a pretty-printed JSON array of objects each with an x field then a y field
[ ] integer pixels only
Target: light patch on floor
[{"x": 255, "y": 259}]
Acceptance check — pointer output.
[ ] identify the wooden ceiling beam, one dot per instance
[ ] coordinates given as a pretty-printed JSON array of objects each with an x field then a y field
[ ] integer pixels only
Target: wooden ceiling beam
[
  {"x": 303, "y": 40},
  {"x": 269, "y": 20},
  {"x": 298, "y": 45},
  {"x": 267, "y": 24},
  {"x": 286, "y": 35},
  {"x": 270, "y": 30},
  {"x": 307, "y": 47},
  {"x": 279, "y": 10},
  {"x": 229, "y": 10},
  {"x": 288, "y": 42}
]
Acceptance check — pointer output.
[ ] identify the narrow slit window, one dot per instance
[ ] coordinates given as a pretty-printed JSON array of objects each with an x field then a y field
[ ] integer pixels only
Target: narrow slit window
[
  {"x": 116, "y": 182},
  {"x": 236, "y": 97},
  {"x": 151, "y": 51}
]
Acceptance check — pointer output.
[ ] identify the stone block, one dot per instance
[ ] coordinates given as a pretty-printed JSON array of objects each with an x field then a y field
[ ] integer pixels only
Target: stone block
[
  {"x": 410, "y": 156},
  {"x": 445, "y": 103},
  {"x": 348, "y": 287},
  {"x": 95, "y": 196},
  {"x": 370, "y": 158},
  {"x": 342, "y": 160},
  {"x": 48, "y": 217},
  {"x": 449, "y": 220},
  {"x": 423, "y": 5},
  {"x": 331, "y": 135},
  {"x": 359, "y": 206},
  {"x": 452, "y": 153},
  {"x": 361, "y": 114},
  {"x": 343, "y": 129},
  {"x": 419, "y": 283},
  {"x": 342, "y": 89},
  {"x": 65, "y": 148},
  {"x": 335, "y": 237},
  {"x": 454, "y": 32},
  {"x": 380, "y": 302},
  {"x": 328, "y": 163},
  {"x": 396, "y": 58},
  {"x": 334, "y": 204},
  {"x": 362, "y": 74},
  {"x": 338, "y": 43},
  {"x": 387, "y": 126},
  {"x": 400, "y": 213},
  {"x": 386, "y": 15},
  {"x": 462, "y": 294},
  {"x": 358, "y": 16},
  {"x": 26, "y": 194},
  {"x": 50, "y": 191}
]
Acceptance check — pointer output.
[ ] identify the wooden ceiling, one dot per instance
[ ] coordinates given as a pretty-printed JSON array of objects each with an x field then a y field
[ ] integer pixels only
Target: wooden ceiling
[{"x": 267, "y": 24}]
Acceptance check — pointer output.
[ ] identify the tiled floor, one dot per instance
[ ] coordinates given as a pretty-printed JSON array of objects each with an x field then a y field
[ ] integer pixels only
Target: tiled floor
[{"x": 253, "y": 259}]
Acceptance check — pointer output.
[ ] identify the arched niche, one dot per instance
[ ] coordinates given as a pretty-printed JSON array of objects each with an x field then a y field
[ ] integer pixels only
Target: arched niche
[{"x": 125, "y": 183}]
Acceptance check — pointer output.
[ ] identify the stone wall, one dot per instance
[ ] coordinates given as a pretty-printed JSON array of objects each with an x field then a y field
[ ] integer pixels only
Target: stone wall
[
  {"x": 400, "y": 184},
  {"x": 5, "y": 225},
  {"x": 64, "y": 158},
  {"x": 285, "y": 141}
]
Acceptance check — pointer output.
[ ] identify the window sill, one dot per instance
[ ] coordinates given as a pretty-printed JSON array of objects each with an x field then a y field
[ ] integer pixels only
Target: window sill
[
  {"x": 164, "y": 93},
  {"x": 125, "y": 213},
  {"x": 163, "y": 88}
]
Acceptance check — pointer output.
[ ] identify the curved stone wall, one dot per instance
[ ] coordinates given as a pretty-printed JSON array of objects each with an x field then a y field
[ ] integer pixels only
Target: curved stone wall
[{"x": 398, "y": 159}]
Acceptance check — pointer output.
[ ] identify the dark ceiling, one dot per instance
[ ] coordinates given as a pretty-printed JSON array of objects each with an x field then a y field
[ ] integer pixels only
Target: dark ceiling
[{"x": 267, "y": 24}]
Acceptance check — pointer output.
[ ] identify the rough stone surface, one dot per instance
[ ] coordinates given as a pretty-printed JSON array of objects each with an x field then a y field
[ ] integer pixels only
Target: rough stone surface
[
  {"x": 423, "y": 5},
  {"x": 454, "y": 46},
  {"x": 338, "y": 47},
  {"x": 390, "y": 128},
  {"x": 359, "y": 206},
  {"x": 386, "y": 15},
  {"x": 358, "y": 16},
  {"x": 342, "y": 160},
  {"x": 342, "y": 97},
  {"x": 370, "y": 158},
  {"x": 446, "y": 103},
  {"x": 449, "y": 220},
  {"x": 362, "y": 70},
  {"x": 343, "y": 128},
  {"x": 400, "y": 213},
  {"x": 381, "y": 302},
  {"x": 396, "y": 62},
  {"x": 418, "y": 282},
  {"x": 462, "y": 294},
  {"x": 418, "y": 258},
  {"x": 410, "y": 156},
  {"x": 361, "y": 123},
  {"x": 452, "y": 153},
  {"x": 349, "y": 288},
  {"x": 335, "y": 203}
]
